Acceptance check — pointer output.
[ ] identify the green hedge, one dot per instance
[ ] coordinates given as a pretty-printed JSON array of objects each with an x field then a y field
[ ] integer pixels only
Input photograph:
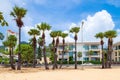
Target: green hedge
[
  {"x": 80, "y": 62},
  {"x": 4, "y": 60}
]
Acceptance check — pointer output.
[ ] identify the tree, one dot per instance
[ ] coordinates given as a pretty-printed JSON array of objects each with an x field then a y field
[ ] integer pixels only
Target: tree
[
  {"x": 63, "y": 35},
  {"x": 75, "y": 30},
  {"x": 101, "y": 36},
  {"x": 2, "y": 20},
  {"x": 58, "y": 34},
  {"x": 10, "y": 43},
  {"x": 110, "y": 35},
  {"x": 18, "y": 13},
  {"x": 79, "y": 54},
  {"x": 90, "y": 52},
  {"x": 53, "y": 35},
  {"x": 26, "y": 53},
  {"x": 43, "y": 27},
  {"x": 40, "y": 43},
  {"x": 34, "y": 33},
  {"x": 1, "y": 36}
]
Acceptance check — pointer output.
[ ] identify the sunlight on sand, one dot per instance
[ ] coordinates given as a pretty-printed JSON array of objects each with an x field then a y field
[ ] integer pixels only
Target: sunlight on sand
[{"x": 63, "y": 74}]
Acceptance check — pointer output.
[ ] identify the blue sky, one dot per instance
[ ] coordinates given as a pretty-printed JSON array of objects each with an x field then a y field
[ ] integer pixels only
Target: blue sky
[{"x": 99, "y": 15}]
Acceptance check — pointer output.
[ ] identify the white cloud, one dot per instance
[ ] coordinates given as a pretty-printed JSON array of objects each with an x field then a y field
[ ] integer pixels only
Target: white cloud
[{"x": 100, "y": 22}]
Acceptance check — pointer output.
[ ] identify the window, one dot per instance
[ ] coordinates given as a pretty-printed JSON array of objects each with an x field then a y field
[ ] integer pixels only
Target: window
[
  {"x": 115, "y": 53},
  {"x": 119, "y": 47},
  {"x": 86, "y": 47},
  {"x": 119, "y": 53},
  {"x": 95, "y": 53},
  {"x": 94, "y": 47},
  {"x": 116, "y": 59}
]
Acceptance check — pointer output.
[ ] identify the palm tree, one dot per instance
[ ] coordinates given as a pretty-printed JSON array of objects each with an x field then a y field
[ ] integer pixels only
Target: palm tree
[
  {"x": 34, "y": 33},
  {"x": 18, "y": 13},
  {"x": 63, "y": 35},
  {"x": 101, "y": 36},
  {"x": 1, "y": 36},
  {"x": 43, "y": 27},
  {"x": 90, "y": 52},
  {"x": 75, "y": 30},
  {"x": 58, "y": 34},
  {"x": 110, "y": 35},
  {"x": 40, "y": 43},
  {"x": 53, "y": 35},
  {"x": 2, "y": 20},
  {"x": 11, "y": 42}
]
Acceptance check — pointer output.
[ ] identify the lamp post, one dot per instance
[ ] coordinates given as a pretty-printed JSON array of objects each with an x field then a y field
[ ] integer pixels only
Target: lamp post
[{"x": 82, "y": 42}]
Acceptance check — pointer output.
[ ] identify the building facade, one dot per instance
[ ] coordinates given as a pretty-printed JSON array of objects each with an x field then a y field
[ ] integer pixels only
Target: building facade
[
  {"x": 81, "y": 47},
  {"x": 116, "y": 52}
]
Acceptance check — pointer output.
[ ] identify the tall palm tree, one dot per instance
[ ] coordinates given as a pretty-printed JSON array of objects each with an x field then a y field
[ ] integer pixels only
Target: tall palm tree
[
  {"x": 40, "y": 43},
  {"x": 2, "y": 20},
  {"x": 110, "y": 35},
  {"x": 11, "y": 42},
  {"x": 75, "y": 30},
  {"x": 1, "y": 36},
  {"x": 53, "y": 35},
  {"x": 63, "y": 35},
  {"x": 43, "y": 27},
  {"x": 101, "y": 36},
  {"x": 58, "y": 34},
  {"x": 18, "y": 13},
  {"x": 34, "y": 33}
]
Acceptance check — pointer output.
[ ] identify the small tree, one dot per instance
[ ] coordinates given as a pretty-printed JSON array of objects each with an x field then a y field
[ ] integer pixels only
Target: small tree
[
  {"x": 90, "y": 52},
  {"x": 10, "y": 43},
  {"x": 79, "y": 54}
]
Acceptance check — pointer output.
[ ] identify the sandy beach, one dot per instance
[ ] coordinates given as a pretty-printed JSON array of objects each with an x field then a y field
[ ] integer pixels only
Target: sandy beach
[{"x": 63, "y": 74}]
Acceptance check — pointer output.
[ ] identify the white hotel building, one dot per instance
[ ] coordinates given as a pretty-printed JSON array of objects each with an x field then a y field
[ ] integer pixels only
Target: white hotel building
[{"x": 85, "y": 47}]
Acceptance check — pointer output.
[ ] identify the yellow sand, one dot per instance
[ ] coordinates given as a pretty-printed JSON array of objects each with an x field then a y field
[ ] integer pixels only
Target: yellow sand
[{"x": 64, "y": 74}]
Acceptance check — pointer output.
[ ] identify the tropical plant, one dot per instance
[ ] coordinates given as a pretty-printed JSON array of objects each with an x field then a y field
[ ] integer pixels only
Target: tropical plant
[
  {"x": 75, "y": 30},
  {"x": 43, "y": 27},
  {"x": 40, "y": 43},
  {"x": 34, "y": 33},
  {"x": 10, "y": 43},
  {"x": 18, "y": 13},
  {"x": 63, "y": 35},
  {"x": 2, "y": 20},
  {"x": 79, "y": 54},
  {"x": 110, "y": 35},
  {"x": 26, "y": 53},
  {"x": 90, "y": 52},
  {"x": 1, "y": 36},
  {"x": 53, "y": 35},
  {"x": 101, "y": 36}
]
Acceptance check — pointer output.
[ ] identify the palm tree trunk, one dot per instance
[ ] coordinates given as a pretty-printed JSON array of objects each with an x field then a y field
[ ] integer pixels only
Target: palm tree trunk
[
  {"x": 54, "y": 57},
  {"x": 62, "y": 54},
  {"x": 19, "y": 53},
  {"x": 34, "y": 47},
  {"x": 102, "y": 55},
  {"x": 110, "y": 54},
  {"x": 34, "y": 60},
  {"x": 44, "y": 54},
  {"x": 12, "y": 60},
  {"x": 55, "y": 64},
  {"x": 75, "y": 54}
]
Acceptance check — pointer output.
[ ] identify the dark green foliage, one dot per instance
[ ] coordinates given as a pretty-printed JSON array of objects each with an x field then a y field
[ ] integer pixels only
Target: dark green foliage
[{"x": 26, "y": 53}]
